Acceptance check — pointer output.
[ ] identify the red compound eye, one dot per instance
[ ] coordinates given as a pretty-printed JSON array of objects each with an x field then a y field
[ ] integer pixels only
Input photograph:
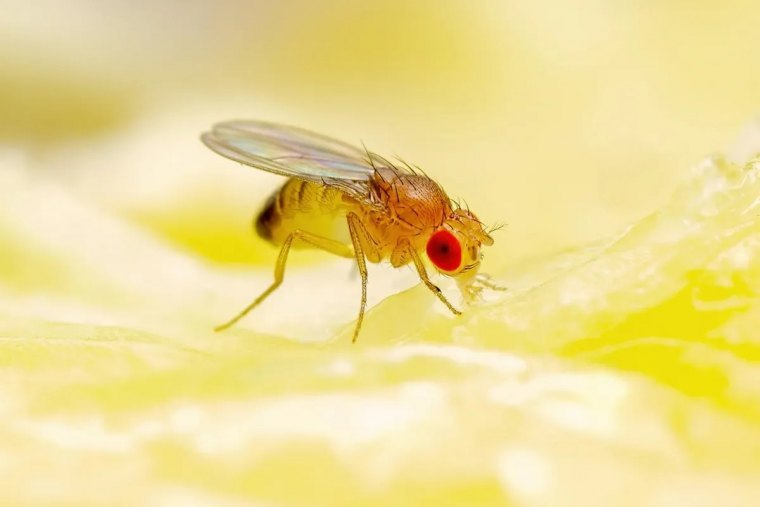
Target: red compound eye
[{"x": 444, "y": 250}]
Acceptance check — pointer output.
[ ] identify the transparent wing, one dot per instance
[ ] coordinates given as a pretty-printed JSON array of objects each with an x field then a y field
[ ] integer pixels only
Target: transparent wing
[{"x": 291, "y": 151}]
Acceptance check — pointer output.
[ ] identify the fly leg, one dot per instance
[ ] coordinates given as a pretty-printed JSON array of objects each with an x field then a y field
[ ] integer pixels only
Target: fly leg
[
  {"x": 430, "y": 285},
  {"x": 358, "y": 232},
  {"x": 329, "y": 245}
]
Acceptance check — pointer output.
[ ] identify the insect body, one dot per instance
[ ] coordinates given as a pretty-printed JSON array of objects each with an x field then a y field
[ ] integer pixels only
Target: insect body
[{"x": 352, "y": 203}]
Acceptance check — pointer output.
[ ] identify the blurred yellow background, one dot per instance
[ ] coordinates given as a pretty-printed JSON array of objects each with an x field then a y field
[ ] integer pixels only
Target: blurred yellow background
[
  {"x": 581, "y": 116},
  {"x": 621, "y": 373}
]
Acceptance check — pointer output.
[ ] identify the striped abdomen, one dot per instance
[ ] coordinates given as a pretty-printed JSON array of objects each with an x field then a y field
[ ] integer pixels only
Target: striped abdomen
[{"x": 304, "y": 205}]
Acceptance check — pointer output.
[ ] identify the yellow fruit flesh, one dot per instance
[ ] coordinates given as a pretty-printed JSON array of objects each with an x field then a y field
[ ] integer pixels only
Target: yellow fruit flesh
[{"x": 629, "y": 366}]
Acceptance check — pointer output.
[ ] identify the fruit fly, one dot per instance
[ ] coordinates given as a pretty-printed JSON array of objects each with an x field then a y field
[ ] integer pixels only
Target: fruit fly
[{"x": 353, "y": 203}]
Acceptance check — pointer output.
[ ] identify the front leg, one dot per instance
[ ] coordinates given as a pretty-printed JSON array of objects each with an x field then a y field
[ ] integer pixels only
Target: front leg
[{"x": 424, "y": 277}]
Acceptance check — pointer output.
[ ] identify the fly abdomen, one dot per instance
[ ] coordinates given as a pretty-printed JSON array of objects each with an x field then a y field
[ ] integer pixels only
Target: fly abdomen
[
  {"x": 298, "y": 204},
  {"x": 269, "y": 217},
  {"x": 283, "y": 204}
]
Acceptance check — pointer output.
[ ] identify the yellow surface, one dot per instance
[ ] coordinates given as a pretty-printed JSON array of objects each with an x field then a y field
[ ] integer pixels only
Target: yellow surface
[{"x": 621, "y": 367}]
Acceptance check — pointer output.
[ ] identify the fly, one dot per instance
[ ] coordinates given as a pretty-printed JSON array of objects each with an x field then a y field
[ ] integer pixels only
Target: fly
[{"x": 353, "y": 203}]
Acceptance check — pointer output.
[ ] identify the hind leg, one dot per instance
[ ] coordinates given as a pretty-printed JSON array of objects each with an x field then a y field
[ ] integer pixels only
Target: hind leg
[{"x": 329, "y": 245}]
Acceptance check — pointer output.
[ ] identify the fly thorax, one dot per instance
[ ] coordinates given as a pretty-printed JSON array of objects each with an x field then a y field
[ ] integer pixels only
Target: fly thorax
[{"x": 412, "y": 200}]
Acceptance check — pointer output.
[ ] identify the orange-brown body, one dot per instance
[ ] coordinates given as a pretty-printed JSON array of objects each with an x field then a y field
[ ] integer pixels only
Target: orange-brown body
[
  {"x": 410, "y": 207},
  {"x": 352, "y": 203}
]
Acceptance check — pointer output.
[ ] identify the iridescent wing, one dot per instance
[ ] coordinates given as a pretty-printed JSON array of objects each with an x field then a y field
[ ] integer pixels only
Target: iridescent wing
[{"x": 290, "y": 151}]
